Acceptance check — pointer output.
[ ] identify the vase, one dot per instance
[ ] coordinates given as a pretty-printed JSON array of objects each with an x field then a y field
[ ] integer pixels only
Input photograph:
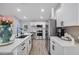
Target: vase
[{"x": 5, "y": 33}]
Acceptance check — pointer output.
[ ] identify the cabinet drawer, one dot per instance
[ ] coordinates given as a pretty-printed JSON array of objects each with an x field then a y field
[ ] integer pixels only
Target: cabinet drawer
[
  {"x": 23, "y": 44},
  {"x": 55, "y": 48},
  {"x": 20, "y": 47},
  {"x": 24, "y": 50}
]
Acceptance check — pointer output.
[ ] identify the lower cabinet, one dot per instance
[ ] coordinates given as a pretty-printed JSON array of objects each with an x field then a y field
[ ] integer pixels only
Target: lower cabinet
[
  {"x": 24, "y": 48},
  {"x": 29, "y": 45},
  {"x": 56, "y": 49}
]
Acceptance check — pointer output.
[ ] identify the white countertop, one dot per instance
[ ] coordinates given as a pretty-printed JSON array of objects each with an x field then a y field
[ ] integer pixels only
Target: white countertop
[
  {"x": 9, "y": 48},
  {"x": 63, "y": 42}
]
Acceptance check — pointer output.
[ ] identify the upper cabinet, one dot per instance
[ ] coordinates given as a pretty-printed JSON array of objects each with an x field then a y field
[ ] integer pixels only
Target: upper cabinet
[
  {"x": 78, "y": 14},
  {"x": 68, "y": 14}
]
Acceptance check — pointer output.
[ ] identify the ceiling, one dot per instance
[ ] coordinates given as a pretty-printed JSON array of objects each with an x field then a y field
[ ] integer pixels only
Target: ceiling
[{"x": 29, "y": 11}]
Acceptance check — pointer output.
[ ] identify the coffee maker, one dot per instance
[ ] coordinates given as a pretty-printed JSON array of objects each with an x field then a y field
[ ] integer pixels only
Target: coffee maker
[{"x": 60, "y": 31}]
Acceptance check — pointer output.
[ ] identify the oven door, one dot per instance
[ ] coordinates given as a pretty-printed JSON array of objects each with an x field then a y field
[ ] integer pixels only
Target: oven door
[{"x": 39, "y": 34}]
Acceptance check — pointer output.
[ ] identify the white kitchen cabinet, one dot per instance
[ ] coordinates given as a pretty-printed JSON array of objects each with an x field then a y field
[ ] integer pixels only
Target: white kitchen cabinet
[
  {"x": 59, "y": 17},
  {"x": 71, "y": 51},
  {"x": 19, "y": 50},
  {"x": 68, "y": 13},
  {"x": 24, "y": 48},
  {"x": 55, "y": 48},
  {"x": 61, "y": 47},
  {"x": 59, "y": 50},
  {"x": 29, "y": 45},
  {"x": 14, "y": 52}
]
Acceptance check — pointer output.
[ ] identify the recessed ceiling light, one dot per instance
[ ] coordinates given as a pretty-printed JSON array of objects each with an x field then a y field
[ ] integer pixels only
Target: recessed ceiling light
[
  {"x": 42, "y": 10},
  {"x": 18, "y": 9},
  {"x": 25, "y": 17},
  {"x": 41, "y": 17}
]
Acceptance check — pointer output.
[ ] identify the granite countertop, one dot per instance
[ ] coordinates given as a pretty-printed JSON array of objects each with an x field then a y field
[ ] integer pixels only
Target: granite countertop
[
  {"x": 63, "y": 42},
  {"x": 9, "y": 48}
]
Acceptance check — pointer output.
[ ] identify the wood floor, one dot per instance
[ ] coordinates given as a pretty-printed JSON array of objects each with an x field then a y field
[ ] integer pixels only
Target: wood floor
[{"x": 39, "y": 47}]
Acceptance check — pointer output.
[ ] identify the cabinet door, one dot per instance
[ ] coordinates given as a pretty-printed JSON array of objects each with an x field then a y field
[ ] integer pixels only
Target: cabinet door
[
  {"x": 29, "y": 44},
  {"x": 21, "y": 49},
  {"x": 25, "y": 50},
  {"x": 55, "y": 48},
  {"x": 59, "y": 50},
  {"x": 14, "y": 52},
  {"x": 68, "y": 14},
  {"x": 27, "y": 47},
  {"x": 71, "y": 50},
  {"x": 59, "y": 18},
  {"x": 52, "y": 48}
]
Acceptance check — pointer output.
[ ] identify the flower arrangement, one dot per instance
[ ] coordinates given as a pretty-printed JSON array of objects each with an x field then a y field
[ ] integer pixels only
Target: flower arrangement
[
  {"x": 6, "y": 20},
  {"x": 5, "y": 28}
]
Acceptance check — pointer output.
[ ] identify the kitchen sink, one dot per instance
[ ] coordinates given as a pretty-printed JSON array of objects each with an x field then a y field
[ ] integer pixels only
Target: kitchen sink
[
  {"x": 66, "y": 39},
  {"x": 22, "y": 36}
]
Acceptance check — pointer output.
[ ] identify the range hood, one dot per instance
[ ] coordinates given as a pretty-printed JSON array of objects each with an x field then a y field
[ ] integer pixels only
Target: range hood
[{"x": 52, "y": 14}]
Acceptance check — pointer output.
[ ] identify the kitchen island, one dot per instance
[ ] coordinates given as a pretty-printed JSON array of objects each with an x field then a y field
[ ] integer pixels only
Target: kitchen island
[{"x": 20, "y": 46}]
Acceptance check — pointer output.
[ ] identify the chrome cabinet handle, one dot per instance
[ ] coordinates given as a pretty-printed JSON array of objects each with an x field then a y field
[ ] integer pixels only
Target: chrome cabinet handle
[
  {"x": 29, "y": 41},
  {"x": 23, "y": 48},
  {"x": 53, "y": 47},
  {"x": 53, "y": 42},
  {"x": 22, "y": 44}
]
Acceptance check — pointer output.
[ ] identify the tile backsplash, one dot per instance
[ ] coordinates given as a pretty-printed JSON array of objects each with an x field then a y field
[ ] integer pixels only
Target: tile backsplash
[{"x": 74, "y": 31}]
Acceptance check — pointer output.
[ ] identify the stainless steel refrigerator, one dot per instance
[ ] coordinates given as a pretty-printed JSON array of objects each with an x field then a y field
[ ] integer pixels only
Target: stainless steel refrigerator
[
  {"x": 51, "y": 32},
  {"x": 52, "y": 27}
]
